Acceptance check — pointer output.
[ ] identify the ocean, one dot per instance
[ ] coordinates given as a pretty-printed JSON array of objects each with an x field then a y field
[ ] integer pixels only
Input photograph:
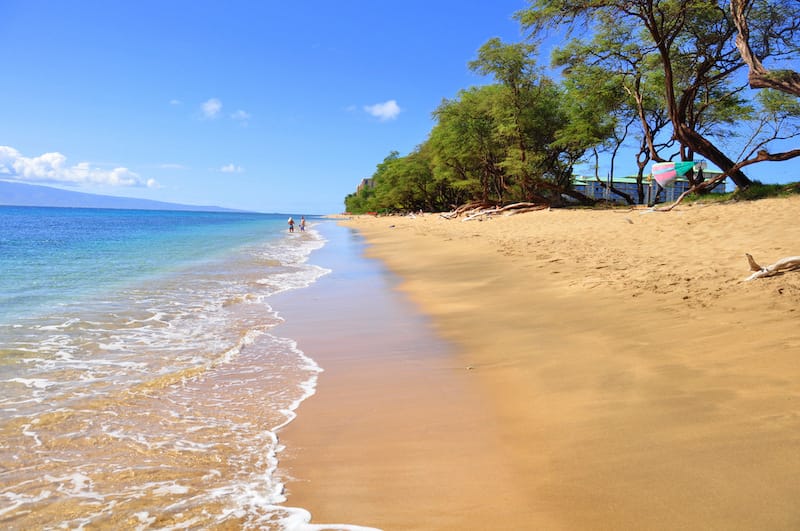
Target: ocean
[{"x": 140, "y": 384}]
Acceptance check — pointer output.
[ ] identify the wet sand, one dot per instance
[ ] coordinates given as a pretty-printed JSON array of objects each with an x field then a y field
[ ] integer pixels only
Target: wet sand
[
  {"x": 612, "y": 369},
  {"x": 397, "y": 424}
]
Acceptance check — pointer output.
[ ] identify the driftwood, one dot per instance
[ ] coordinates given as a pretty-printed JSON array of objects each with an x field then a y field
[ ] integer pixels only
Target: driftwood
[
  {"x": 480, "y": 214},
  {"x": 478, "y": 210},
  {"x": 523, "y": 210},
  {"x": 467, "y": 208},
  {"x": 784, "y": 264}
]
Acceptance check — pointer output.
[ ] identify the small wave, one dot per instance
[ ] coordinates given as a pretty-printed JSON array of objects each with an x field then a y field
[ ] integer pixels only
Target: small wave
[
  {"x": 159, "y": 403},
  {"x": 62, "y": 326},
  {"x": 35, "y": 383}
]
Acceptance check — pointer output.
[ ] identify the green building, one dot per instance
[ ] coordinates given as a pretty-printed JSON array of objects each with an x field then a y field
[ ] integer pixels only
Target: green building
[{"x": 590, "y": 187}]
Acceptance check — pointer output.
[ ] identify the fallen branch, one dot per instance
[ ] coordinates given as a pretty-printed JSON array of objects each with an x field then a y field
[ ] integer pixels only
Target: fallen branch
[
  {"x": 527, "y": 209},
  {"x": 467, "y": 208},
  {"x": 481, "y": 213},
  {"x": 514, "y": 208},
  {"x": 784, "y": 264},
  {"x": 508, "y": 210},
  {"x": 479, "y": 209}
]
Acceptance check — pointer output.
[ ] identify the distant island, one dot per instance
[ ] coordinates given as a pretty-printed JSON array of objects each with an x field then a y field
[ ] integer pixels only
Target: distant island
[{"x": 19, "y": 194}]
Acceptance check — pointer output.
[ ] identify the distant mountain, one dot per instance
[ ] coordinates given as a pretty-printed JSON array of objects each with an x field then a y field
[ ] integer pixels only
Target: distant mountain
[{"x": 19, "y": 194}]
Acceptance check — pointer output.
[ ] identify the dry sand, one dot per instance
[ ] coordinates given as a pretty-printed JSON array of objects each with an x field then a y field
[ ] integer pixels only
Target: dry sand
[{"x": 621, "y": 374}]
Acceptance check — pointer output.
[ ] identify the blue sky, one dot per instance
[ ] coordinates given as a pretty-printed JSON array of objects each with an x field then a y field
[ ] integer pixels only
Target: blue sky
[
  {"x": 271, "y": 106},
  {"x": 266, "y": 106}
]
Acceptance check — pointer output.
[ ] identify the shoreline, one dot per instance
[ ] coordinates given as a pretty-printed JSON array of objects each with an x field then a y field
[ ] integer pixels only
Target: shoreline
[
  {"x": 394, "y": 416},
  {"x": 630, "y": 379}
]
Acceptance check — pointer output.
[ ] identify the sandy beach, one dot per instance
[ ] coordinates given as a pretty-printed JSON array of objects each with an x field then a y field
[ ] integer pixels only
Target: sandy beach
[{"x": 599, "y": 370}]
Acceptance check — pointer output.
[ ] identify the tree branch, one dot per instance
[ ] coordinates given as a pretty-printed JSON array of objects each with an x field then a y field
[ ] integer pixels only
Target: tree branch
[{"x": 759, "y": 77}]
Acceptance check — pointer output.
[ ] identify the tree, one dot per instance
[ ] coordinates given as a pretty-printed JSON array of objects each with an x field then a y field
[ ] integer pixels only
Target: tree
[
  {"x": 527, "y": 112},
  {"x": 693, "y": 42},
  {"x": 608, "y": 89},
  {"x": 405, "y": 184},
  {"x": 769, "y": 30},
  {"x": 777, "y": 117},
  {"x": 774, "y": 35},
  {"x": 465, "y": 151},
  {"x": 366, "y": 199},
  {"x": 512, "y": 66}
]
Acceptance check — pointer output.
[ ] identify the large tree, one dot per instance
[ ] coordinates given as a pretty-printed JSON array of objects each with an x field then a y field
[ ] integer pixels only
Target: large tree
[
  {"x": 528, "y": 114},
  {"x": 693, "y": 40},
  {"x": 610, "y": 83},
  {"x": 513, "y": 67},
  {"x": 465, "y": 149}
]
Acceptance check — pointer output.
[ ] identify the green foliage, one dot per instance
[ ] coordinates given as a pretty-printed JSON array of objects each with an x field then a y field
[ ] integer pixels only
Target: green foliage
[
  {"x": 510, "y": 64},
  {"x": 464, "y": 145},
  {"x": 779, "y": 104}
]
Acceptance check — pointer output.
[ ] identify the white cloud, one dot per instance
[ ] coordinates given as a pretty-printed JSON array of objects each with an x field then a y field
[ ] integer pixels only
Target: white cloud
[
  {"x": 240, "y": 115},
  {"x": 171, "y": 166},
  {"x": 384, "y": 111},
  {"x": 231, "y": 168},
  {"x": 53, "y": 168},
  {"x": 175, "y": 102},
  {"x": 211, "y": 108}
]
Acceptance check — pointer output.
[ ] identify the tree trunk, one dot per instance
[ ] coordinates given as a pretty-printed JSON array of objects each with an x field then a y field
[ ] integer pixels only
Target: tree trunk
[
  {"x": 699, "y": 144},
  {"x": 759, "y": 77},
  {"x": 677, "y": 113},
  {"x": 611, "y": 188}
]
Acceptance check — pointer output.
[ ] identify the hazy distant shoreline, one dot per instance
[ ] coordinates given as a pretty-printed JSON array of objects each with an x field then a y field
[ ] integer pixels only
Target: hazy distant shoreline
[{"x": 21, "y": 194}]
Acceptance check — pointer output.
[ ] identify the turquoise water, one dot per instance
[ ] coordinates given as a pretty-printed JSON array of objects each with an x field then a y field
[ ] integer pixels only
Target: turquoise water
[
  {"x": 141, "y": 386},
  {"x": 51, "y": 256}
]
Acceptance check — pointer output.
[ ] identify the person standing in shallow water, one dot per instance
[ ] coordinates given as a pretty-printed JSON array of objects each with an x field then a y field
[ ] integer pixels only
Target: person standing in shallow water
[
  {"x": 291, "y": 225},
  {"x": 302, "y": 224}
]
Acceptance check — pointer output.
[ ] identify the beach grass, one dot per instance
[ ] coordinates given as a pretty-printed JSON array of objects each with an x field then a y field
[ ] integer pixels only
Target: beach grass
[{"x": 753, "y": 192}]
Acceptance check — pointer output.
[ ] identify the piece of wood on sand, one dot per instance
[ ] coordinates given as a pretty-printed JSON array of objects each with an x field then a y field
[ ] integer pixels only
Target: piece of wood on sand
[{"x": 784, "y": 264}]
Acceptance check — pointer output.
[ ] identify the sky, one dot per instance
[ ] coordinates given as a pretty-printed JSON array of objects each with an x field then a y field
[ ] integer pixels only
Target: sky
[{"x": 268, "y": 106}]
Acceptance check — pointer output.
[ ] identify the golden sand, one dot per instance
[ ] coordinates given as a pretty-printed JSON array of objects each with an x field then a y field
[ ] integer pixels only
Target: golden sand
[{"x": 626, "y": 377}]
